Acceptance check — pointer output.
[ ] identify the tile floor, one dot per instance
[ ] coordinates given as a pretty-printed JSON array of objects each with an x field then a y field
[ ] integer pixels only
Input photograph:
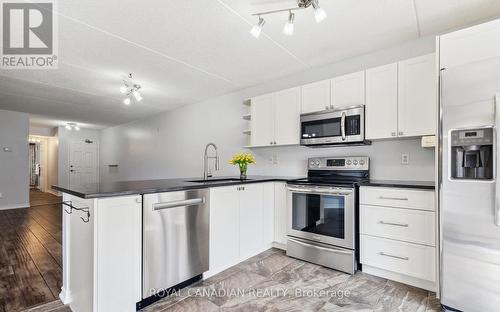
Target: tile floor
[{"x": 271, "y": 281}]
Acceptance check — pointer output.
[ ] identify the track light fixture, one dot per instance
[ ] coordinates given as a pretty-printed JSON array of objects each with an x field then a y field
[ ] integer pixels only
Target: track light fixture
[
  {"x": 319, "y": 16},
  {"x": 257, "y": 29},
  {"x": 129, "y": 88},
  {"x": 319, "y": 13},
  {"x": 288, "y": 29}
]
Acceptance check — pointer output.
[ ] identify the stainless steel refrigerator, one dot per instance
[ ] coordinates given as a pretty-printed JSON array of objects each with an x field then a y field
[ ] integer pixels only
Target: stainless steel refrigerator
[{"x": 469, "y": 192}]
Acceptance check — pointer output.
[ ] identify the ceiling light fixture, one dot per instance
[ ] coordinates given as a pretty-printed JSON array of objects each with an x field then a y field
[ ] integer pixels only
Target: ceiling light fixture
[
  {"x": 319, "y": 16},
  {"x": 257, "y": 29},
  {"x": 71, "y": 125},
  {"x": 288, "y": 29},
  {"x": 319, "y": 12},
  {"x": 130, "y": 88}
]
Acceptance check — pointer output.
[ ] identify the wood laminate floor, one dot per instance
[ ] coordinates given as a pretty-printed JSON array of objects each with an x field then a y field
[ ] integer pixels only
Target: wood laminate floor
[{"x": 31, "y": 253}]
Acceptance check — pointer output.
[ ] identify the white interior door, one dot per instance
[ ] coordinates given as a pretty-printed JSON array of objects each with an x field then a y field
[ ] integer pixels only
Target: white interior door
[{"x": 82, "y": 163}]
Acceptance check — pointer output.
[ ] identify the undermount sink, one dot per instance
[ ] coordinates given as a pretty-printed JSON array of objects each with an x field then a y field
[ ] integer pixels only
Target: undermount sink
[{"x": 217, "y": 180}]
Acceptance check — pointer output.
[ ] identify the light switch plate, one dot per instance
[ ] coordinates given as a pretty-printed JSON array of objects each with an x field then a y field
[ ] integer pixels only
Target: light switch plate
[
  {"x": 7, "y": 149},
  {"x": 405, "y": 159}
]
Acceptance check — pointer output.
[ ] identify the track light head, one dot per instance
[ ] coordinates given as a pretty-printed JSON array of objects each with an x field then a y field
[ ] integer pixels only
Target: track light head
[
  {"x": 137, "y": 95},
  {"x": 288, "y": 29},
  {"x": 257, "y": 29},
  {"x": 123, "y": 89},
  {"x": 319, "y": 13},
  {"x": 126, "y": 101},
  {"x": 68, "y": 127}
]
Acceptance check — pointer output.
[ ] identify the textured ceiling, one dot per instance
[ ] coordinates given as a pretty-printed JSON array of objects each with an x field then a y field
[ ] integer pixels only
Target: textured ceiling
[{"x": 183, "y": 52}]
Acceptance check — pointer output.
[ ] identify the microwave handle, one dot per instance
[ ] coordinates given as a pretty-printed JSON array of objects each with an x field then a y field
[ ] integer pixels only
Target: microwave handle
[
  {"x": 342, "y": 126},
  {"x": 497, "y": 168}
]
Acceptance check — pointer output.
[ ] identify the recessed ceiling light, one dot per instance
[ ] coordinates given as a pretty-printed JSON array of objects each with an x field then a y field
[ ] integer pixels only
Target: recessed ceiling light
[{"x": 126, "y": 101}]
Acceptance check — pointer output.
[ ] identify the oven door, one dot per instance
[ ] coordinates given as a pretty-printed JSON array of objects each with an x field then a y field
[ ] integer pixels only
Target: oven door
[
  {"x": 331, "y": 127},
  {"x": 322, "y": 214}
]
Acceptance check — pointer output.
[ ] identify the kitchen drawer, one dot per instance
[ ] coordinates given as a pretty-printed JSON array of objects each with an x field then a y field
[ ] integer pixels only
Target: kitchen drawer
[
  {"x": 416, "y": 226},
  {"x": 400, "y": 257},
  {"x": 397, "y": 197}
]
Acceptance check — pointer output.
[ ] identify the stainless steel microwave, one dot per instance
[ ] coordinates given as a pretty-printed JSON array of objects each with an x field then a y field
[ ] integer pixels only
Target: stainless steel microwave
[{"x": 338, "y": 126}]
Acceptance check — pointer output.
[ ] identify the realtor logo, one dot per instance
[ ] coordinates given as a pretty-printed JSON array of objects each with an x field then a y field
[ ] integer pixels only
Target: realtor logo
[{"x": 28, "y": 35}]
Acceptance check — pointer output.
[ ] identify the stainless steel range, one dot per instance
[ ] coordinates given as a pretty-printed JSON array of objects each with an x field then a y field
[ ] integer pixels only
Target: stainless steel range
[{"x": 322, "y": 210}]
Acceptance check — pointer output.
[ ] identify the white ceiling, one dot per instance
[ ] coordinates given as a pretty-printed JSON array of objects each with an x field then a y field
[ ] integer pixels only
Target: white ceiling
[{"x": 189, "y": 50}]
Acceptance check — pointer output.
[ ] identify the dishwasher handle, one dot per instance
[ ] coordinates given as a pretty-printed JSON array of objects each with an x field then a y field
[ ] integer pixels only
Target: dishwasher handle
[{"x": 179, "y": 203}]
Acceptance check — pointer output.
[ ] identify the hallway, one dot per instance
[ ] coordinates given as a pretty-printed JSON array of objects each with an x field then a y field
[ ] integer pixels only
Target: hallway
[{"x": 31, "y": 253}]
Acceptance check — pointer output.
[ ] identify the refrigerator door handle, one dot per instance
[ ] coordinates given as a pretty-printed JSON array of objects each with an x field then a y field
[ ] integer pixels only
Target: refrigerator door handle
[{"x": 497, "y": 175}]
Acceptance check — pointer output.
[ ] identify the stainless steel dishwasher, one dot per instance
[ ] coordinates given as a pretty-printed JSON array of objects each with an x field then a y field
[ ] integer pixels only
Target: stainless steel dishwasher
[{"x": 175, "y": 239}]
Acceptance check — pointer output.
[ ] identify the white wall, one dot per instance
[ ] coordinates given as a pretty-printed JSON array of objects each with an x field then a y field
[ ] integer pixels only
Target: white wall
[
  {"x": 14, "y": 165},
  {"x": 171, "y": 144},
  {"x": 52, "y": 163},
  {"x": 65, "y": 137}
]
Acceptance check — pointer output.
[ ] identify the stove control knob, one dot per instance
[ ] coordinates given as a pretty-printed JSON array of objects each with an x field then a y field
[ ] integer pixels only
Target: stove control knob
[
  {"x": 355, "y": 162},
  {"x": 317, "y": 163},
  {"x": 361, "y": 162},
  {"x": 348, "y": 162},
  {"x": 311, "y": 163}
]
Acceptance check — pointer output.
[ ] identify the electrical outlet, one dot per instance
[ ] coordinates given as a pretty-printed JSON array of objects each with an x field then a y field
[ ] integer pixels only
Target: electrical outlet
[{"x": 405, "y": 159}]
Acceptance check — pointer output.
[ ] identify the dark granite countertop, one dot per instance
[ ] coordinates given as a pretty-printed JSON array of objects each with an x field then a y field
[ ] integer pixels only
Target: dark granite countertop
[
  {"x": 112, "y": 189},
  {"x": 427, "y": 185}
]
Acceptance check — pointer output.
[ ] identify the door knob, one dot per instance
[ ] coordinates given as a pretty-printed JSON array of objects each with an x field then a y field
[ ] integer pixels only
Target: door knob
[{"x": 72, "y": 170}]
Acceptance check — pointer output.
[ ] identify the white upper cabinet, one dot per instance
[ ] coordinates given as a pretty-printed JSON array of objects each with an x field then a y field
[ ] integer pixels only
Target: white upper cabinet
[
  {"x": 287, "y": 113},
  {"x": 262, "y": 110},
  {"x": 348, "y": 90},
  {"x": 417, "y": 96},
  {"x": 381, "y": 102},
  {"x": 316, "y": 96},
  {"x": 467, "y": 45}
]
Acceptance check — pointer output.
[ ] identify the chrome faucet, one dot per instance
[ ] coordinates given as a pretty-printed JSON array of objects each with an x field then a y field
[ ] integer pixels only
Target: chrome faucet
[{"x": 206, "y": 169}]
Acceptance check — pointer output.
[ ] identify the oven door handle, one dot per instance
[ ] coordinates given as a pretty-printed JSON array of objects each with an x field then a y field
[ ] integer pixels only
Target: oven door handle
[
  {"x": 342, "y": 126},
  {"x": 336, "y": 250},
  {"x": 316, "y": 191}
]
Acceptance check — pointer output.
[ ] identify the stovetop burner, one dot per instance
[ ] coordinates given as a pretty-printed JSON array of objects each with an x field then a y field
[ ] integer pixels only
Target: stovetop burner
[{"x": 336, "y": 171}]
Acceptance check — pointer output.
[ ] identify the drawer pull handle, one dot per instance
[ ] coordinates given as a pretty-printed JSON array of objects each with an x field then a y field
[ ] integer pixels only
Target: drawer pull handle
[
  {"x": 393, "y": 198},
  {"x": 395, "y": 224},
  {"x": 393, "y": 256}
]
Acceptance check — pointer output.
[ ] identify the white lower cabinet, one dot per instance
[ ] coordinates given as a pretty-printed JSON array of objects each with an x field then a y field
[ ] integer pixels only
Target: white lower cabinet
[
  {"x": 224, "y": 228},
  {"x": 241, "y": 223},
  {"x": 280, "y": 215},
  {"x": 398, "y": 235}
]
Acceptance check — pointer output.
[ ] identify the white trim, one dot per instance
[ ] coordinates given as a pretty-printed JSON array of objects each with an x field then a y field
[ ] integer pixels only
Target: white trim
[
  {"x": 405, "y": 279},
  {"x": 279, "y": 245},
  {"x": 65, "y": 296},
  {"x": 16, "y": 206}
]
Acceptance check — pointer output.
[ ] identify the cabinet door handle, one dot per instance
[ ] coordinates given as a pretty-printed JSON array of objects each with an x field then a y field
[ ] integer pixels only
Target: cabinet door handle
[
  {"x": 393, "y": 198},
  {"x": 395, "y": 224},
  {"x": 393, "y": 133},
  {"x": 400, "y": 133},
  {"x": 393, "y": 256},
  {"x": 327, "y": 107}
]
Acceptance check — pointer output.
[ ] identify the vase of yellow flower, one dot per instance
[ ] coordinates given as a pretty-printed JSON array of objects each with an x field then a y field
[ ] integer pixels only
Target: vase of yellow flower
[{"x": 242, "y": 160}]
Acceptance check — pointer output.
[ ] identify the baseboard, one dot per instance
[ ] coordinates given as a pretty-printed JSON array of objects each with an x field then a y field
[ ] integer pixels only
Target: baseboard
[
  {"x": 17, "y": 206},
  {"x": 65, "y": 296},
  {"x": 279, "y": 245},
  {"x": 405, "y": 279}
]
